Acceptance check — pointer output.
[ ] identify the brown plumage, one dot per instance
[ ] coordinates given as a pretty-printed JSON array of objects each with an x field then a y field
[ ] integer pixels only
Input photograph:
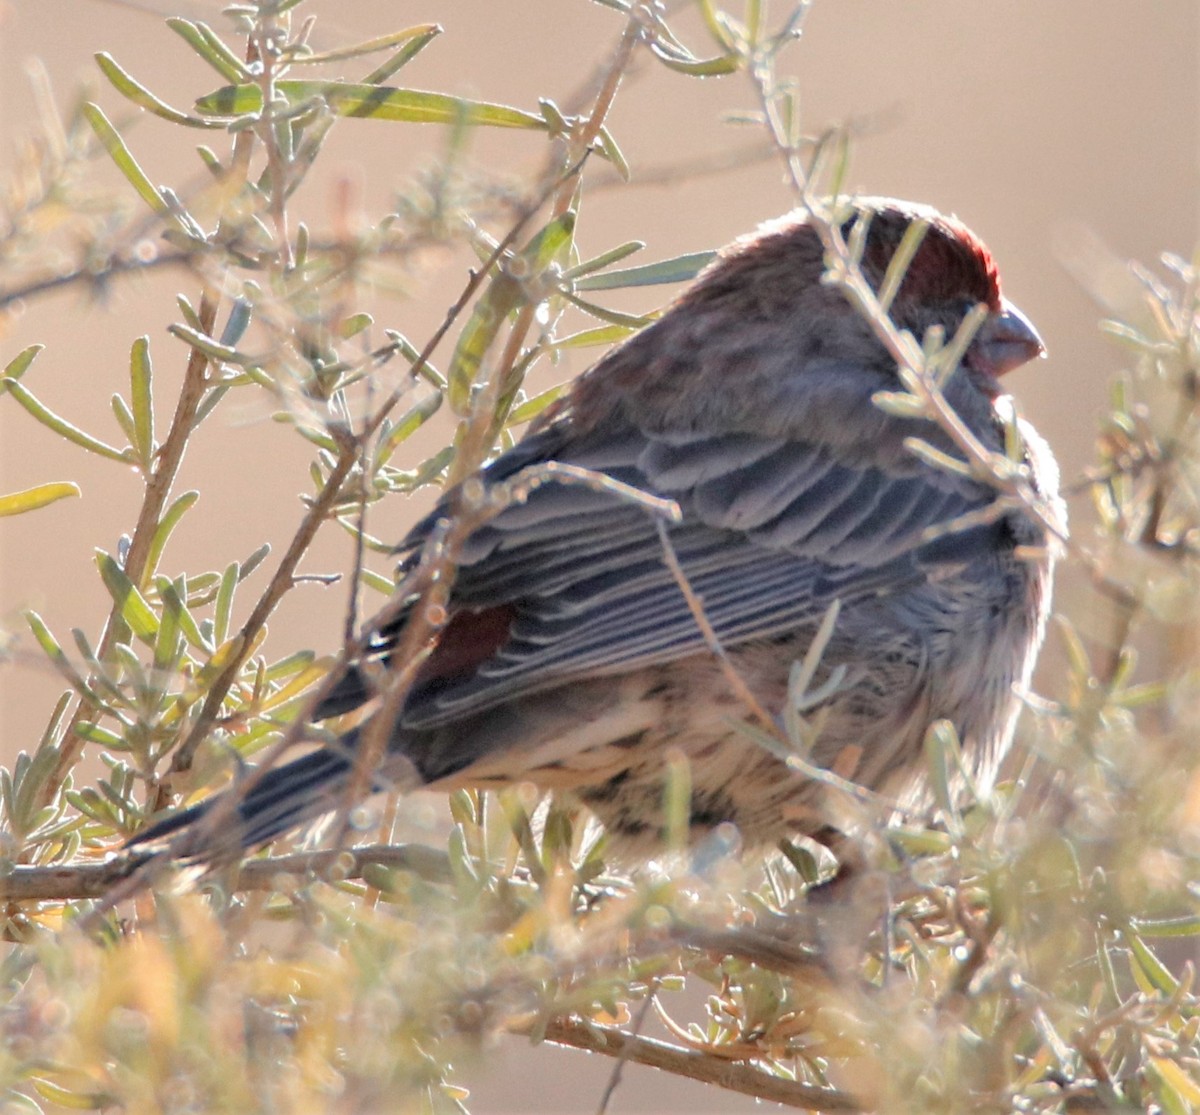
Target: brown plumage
[{"x": 571, "y": 658}]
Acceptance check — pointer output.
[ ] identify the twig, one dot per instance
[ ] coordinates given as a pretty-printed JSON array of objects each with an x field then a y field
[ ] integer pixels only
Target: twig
[
  {"x": 279, "y": 585},
  {"x": 696, "y": 606},
  {"x": 473, "y": 448},
  {"x": 614, "y": 1077},
  {"x": 158, "y": 488},
  {"x": 78, "y": 881},
  {"x": 765, "y": 950},
  {"x": 736, "y": 1077}
]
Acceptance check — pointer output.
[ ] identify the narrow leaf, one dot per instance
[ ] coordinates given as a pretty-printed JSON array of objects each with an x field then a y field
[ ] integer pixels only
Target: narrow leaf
[
  {"x": 604, "y": 259},
  {"x": 132, "y": 604},
  {"x": 371, "y": 46},
  {"x": 531, "y": 408},
  {"x": 677, "y": 270},
  {"x": 20, "y": 363},
  {"x": 696, "y": 67},
  {"x": 141, "y": 396},
  {"x": 402, "y": 57},
  {"x": 600, "y": 335},
  {"x": 224, "y": 606},
  {"x": 56, "y": 654},
  {"x": 1150, "y": 965},
  {"x": 608, "y": 148},
  {"x": 112, "y": 142},
  {"x": 166, "y": 525},
  {"x": 613, "y": 317},
  {"x": 142, "y": 97},
  {"x": 412, "y": 421},
  {"x": 206, "y": 43},
  {"x": 173, "y": 602},
  {"x": 380, "y": 102},
  {"x": 549, "y": 243},
  {"x": 209, "y": 346},
  {"x": 60, "y": 425},
  {"x": 124, "y": 417},
  {"x": 17, "y": 503},
  {"x": 488, "y": 315}
]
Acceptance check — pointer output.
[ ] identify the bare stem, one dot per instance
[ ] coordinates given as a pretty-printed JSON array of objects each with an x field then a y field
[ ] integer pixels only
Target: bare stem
[{"x": 735, "y": 1076}]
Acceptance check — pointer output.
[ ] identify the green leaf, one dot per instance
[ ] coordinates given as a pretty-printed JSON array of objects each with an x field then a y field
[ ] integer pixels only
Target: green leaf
[
  {"x": 936, "y": 458},
  {"x": 531, "y": 408},
  {"x": 604, "y": 259},
  {"x": 1188, "y": 926},
  {"x": 224, "y": 606},
  {"x": 124, "y": 417},
  {"x": 142, "y": 97},
  {"x": 174, "y": 605},
  {"x": 130, "y": 603},
  {"x": 168, "y": 646},
  {"x": 715, "y": 21},
  {"x": 631, "y": 322},
  {"x": 676, "y": 270},
  {"x": 377, "y": 581},
  {"x": 60, "y": 425},
  {"x": 1150, "y": 965},
  {"x": 254, "y": 561},
  {"x": 549, "y": 243},
  {"x": 58, "y": 657},
  {"x": 66, "y": 1097},
  {"x": 211, "y": 348},
  {"x": 17, "y": 503},
  {"x": 370, "y": 46},
  {"x": 696, "y": 67},
  {"x": 162, "y": 532},
  {"x": 607, "y": 146},
  {"x": 20, "y": 363},
  {"x": 900, "y": 404},
  {"x": 913, "y": 236},
  {"x": 206, "y": 43},
  {"x": 354, "y": 324},
  {"x": 402, "y": 57},
  {"x": 93, "y": 733},
  {"x": 140, "y": 380},
  {"x": 240, "y": 314},
  {"x": 407, "y": 425},
  {"x": 502, "y": 295},
  {"x": 600, "y": 335},
  {"x": 380, "y": 102},
  {"x": 112, "y": 142}
]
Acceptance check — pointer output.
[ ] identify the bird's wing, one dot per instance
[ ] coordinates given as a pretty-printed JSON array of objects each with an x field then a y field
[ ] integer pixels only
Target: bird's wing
[{"x": 773, "y": 531}]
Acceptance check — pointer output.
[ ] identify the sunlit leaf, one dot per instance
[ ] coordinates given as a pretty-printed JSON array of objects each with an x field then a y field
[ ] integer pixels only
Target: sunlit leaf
[
  {"x": 379, "y": 102},
  {"x": 17, "y": 503}
]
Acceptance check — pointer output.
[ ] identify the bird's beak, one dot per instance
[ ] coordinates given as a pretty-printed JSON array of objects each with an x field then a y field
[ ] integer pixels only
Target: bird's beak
[{"x": 1004, "y": 342}]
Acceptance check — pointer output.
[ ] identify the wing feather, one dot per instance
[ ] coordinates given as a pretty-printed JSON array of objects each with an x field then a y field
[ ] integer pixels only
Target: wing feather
[{"x": 773, "y": 532}]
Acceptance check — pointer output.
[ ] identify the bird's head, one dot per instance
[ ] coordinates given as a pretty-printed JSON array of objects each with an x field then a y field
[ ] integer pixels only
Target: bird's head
[{"x": 950, "y": 273}]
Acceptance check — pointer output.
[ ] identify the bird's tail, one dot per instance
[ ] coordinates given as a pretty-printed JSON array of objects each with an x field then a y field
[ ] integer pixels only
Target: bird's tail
[{"x": 281, "y": 800}]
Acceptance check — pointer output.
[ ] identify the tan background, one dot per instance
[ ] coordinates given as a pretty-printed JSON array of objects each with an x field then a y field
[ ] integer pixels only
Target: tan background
[{"x": 1065, "y": 132}]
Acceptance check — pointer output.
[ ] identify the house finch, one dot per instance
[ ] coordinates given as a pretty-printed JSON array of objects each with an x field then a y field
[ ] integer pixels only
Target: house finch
[{"x": 572, "y": 657}]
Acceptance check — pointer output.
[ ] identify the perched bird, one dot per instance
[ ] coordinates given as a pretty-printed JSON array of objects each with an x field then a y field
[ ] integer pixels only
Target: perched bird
[{"x": 572, "y": 658}]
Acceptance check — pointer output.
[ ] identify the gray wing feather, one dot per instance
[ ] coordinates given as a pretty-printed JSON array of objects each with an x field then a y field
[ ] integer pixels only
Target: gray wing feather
[{"x": 773, "y": 532}]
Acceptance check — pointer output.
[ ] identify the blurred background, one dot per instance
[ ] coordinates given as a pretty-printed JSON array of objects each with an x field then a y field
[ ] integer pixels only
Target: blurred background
[{"x": 1065, "y": 134}]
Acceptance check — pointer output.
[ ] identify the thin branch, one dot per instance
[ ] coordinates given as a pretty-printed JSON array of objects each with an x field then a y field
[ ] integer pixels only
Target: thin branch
[
  {"x": 614, "y": 1077},
  {"x": 734, "y": 1076},
  {"x": 158, "y": 488},
  {"x": 168, "y": 460},
  {"x": 473, "y": 448},
  {"x": 78, "y": 881},
  {"x": 279, "y": 585}
]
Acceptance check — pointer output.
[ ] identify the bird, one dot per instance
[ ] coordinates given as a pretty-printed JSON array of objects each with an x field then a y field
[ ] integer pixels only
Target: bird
[{"x": 572, "y": 656}]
